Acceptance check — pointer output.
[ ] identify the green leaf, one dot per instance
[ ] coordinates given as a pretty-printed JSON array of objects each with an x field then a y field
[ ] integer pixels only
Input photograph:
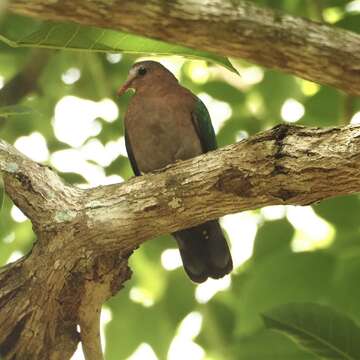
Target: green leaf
[
  {"x": 223, "y": 92},
  {"x": 279, "y": 278},
  {"x": 271, "y": 237},
  {"x": 323, "y": 109},
  {"x": 344, "y": 293},
  {"x": 117, "y": 166},
  {"x": 350, "y": 22},
  {"x": 318, "y": 329},
  {"x": 73, "y": 178},
  {"x": 275, "y": 89},
  {"x": 133, "y": 324},
  {"x": 337, "y": 211},
  {"x": 57, "y": 35},
  {"x": 342, "y": 212},
  {"x": 14, "y": 110},
  {"x": 179, "y": 299},
  {"x": 267, "y": 345},
  {"x": 217, "y": 329}
]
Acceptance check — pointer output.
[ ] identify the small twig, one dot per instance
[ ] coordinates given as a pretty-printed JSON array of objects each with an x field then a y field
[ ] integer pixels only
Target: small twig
[{"x": 90, "y": 333}]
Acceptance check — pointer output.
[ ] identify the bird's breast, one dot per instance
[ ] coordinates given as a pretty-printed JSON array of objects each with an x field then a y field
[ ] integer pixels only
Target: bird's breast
[{"x": 161, "y": 132}]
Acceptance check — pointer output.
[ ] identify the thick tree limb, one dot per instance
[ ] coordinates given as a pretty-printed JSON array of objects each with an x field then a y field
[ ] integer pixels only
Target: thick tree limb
[
  {"x": 86, "y": 236},
  {"x": 238, "y": 29}
]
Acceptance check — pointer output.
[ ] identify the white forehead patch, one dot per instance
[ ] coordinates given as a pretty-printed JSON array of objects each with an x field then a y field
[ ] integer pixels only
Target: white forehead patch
[{"x": 133, "y": 71}]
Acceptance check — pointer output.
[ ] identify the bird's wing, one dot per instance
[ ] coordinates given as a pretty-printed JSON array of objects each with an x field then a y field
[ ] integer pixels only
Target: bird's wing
[
  {"x": 202, "y": 122},
  {"x": 131, "y": 156}
]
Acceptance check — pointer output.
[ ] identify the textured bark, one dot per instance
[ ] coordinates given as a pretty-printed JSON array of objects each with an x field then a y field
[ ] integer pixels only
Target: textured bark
[
  {"x": 84, "y": 237},
  {"x": 234, "y": 28}
]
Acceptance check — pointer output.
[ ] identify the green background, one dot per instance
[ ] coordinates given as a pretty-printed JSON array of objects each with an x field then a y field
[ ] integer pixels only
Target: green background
[{"x": 299, "y": 255}]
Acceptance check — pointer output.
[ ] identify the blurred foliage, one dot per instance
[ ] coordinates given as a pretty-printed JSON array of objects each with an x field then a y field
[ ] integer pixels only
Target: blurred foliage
[
  {"x": 317, "y": 329},
  {"x": 153, "y": 305}
]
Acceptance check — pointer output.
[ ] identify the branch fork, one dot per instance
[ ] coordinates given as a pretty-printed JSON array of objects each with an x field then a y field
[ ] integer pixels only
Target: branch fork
[{"x": 85, "y": 237}]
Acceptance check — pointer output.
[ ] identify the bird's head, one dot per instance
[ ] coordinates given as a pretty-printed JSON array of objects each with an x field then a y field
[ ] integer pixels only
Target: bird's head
[{"x": 146, "y": 74}]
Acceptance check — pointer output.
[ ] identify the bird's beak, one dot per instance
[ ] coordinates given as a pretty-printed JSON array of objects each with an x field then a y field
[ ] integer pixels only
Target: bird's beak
[
  {"x": 127, "y": 85},
  {"x": 122, "y": 90}
]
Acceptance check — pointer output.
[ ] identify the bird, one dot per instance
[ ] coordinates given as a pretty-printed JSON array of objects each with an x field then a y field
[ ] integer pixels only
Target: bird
[{"x": 164, "y": 123}]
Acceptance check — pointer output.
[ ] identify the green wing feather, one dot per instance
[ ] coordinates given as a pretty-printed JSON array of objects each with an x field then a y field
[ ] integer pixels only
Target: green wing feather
[
  {"x": 131, "y": 157},
  {"x": 202, "y": 122}
]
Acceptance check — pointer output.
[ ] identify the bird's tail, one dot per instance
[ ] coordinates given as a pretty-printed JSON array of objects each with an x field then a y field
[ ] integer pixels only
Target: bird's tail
[{"x": 204, "y": 251}]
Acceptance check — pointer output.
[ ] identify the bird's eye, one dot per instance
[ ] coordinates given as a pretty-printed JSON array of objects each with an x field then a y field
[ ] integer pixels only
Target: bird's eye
[{"x": 142, "y": 71}]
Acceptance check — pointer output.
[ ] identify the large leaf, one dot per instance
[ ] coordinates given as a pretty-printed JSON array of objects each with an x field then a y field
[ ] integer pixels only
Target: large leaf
[
  {"x": 337, "y": 211},
  {"x": 273, "y": 236},
  {"x": 275, "y": 89},
  {"x": 317, "y": 328},
  {"x": 318, "y": 114},
  {"x": 217, "y": 329},
  {"x": 267, "y": 345},
  {"x": 344, "y": 292},
  {"x": 134, "y": 324},
  {"x": 77, "y": 37},
  {"x": 350, "y": 22},
  {"x": 280, "y": 278}
]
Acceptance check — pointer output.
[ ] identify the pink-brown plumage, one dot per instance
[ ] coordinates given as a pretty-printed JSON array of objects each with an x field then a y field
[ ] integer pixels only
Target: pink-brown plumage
[{"x": 162, "y": 126}]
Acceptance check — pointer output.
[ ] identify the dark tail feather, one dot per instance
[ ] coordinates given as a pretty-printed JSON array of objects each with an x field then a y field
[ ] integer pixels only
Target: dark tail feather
[{"x": 204, "y": 251}]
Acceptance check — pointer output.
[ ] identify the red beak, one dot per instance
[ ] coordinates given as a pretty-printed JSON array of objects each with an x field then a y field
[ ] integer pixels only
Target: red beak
[
  {"x": 122, "y": 90},
  {"x": 128, "y": 82}
]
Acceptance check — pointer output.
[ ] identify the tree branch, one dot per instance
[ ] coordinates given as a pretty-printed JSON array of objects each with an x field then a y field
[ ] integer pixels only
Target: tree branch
[
  {"x": 25, "y": 81},
  {"x": 240, "y": 29},
  {"x": 86, "y": 236}
]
